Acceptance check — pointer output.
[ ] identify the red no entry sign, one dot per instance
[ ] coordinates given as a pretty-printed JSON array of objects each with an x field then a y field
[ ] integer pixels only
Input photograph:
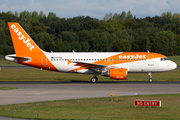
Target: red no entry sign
[{"x": 150, "y": 103}]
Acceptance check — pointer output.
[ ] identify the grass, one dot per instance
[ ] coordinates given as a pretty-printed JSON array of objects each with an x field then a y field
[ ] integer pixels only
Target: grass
[
  {"x": 7, "y": 88},
  {"x": 43, "y": 75},
  {"x": 8, "y": 63},
  {"x": 97, "y": 108}
]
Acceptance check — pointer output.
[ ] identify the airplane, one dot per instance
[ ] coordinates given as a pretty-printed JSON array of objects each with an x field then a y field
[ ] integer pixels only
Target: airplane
[{"x": 115, "y": 65}]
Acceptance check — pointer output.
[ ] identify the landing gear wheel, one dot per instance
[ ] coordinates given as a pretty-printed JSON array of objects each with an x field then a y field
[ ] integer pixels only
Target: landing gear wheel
[
  {"x": 94, "y": 79},
  {"x": 150, "y": 77},
  {"x": 150, "y": 80}
]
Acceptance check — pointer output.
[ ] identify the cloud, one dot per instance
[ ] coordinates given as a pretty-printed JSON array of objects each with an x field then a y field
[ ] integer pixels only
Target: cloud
[{"x": 92, "y": 8}]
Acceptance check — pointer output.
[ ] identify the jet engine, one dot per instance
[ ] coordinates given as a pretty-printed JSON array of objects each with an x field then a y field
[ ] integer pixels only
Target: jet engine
[{"x": 117, "y": 73}]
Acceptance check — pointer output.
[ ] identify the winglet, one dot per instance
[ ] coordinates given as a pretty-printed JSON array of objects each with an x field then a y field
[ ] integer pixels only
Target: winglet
[{"x": 69, "y": 61}]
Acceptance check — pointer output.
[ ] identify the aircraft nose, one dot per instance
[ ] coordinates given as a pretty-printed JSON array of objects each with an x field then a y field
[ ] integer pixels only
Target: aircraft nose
[{"x": 173, "y": 65}]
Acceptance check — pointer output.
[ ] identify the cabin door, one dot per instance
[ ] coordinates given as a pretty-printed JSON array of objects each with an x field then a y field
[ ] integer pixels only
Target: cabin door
[
  {"x": 151, "y": 60},
  {"x": 43, "y": 60}
]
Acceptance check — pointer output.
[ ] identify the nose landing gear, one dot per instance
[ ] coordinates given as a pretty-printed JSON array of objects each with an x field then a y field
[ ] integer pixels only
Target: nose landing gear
[{"x": 150, "y": 77}]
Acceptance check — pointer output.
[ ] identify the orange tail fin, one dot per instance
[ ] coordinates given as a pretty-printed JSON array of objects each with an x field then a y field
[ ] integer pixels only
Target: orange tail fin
[
  {"x": 22, "y": 41},
  {"x": 27, "y": 52}
]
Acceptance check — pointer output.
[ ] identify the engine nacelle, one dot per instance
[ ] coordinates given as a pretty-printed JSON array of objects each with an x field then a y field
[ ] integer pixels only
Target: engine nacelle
[{"x": 118, "y": 74}]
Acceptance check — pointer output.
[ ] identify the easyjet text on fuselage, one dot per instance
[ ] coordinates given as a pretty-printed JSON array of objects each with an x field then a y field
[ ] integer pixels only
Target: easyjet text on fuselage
[{"x": 137, "y": 56}]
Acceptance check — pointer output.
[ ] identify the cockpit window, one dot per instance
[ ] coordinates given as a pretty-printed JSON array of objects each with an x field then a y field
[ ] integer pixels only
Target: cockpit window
[{"x": 164, "y": 59}]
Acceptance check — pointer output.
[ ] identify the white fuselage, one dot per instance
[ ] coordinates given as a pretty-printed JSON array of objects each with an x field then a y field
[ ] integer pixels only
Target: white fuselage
[{"x": 146, "y": 65}]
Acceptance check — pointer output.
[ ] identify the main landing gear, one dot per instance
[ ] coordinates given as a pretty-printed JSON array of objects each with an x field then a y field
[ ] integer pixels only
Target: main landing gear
[
  {"x": 94, "y": 79},
  {"x": 150, "y": 77}
]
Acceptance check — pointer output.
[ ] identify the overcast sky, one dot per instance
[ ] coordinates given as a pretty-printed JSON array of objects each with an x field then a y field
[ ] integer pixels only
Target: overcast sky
[{"x": 92, "y": 8}]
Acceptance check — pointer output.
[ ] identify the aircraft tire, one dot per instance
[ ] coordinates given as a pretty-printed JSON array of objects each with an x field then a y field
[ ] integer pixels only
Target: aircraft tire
[
  {"x": 150, "y": 80},
  {"x": 94, "y": 79}
]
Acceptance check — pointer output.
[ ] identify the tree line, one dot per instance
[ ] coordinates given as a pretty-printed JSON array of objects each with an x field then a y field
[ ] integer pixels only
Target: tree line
[{"x": 115, "y": 33}]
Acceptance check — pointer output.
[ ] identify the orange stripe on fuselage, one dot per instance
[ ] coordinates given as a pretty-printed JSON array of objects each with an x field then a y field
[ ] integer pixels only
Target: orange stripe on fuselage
[
  {"x": 124, "y": 57},
  {"x": 127, "y": 57}
]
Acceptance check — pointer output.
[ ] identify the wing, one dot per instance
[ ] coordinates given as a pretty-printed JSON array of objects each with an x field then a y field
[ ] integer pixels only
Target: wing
[
  {"x": 85, "y": 64},
  {"x": 96, "y": 67}
]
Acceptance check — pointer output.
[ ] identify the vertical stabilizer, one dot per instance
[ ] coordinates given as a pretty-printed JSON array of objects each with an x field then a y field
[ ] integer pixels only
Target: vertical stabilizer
[
  {"x": 27, "y": 52},
  {"x": 22, "y": 41}
]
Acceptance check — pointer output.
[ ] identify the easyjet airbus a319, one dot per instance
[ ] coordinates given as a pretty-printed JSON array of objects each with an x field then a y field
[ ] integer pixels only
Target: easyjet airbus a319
[{"x": 115, "y": 65}]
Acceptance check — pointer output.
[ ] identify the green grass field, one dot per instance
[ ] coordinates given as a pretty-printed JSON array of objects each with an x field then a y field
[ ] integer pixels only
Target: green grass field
[
  {"x": 97, "y": 108},
  {"x": 43, "y": 75},
  {"x": 8, "y": 63},
  {"x": 7, "y": 88}
]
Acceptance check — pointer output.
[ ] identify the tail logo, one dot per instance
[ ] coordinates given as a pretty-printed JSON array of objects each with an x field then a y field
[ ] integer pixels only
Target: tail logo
[{"x": 21, "y": 37}]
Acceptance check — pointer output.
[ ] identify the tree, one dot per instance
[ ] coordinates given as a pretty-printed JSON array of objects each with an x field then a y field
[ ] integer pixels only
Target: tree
[
  {"x": 35, "y": 16},
  {"x": 122, "y": 46},
  {"x": 2, "y": 37},
  {"x": 41, "y": 15},
  {"x": 129, "y": 16},
  {"x": 51, "y": 15}
]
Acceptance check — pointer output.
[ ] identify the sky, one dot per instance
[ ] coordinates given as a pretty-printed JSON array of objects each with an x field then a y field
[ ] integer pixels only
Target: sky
[{"x": 93, "y": 8}]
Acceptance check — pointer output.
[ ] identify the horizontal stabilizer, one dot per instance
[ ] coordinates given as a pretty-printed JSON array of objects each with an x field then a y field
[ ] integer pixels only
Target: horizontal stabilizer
[{"x": 15, "y": 58}]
